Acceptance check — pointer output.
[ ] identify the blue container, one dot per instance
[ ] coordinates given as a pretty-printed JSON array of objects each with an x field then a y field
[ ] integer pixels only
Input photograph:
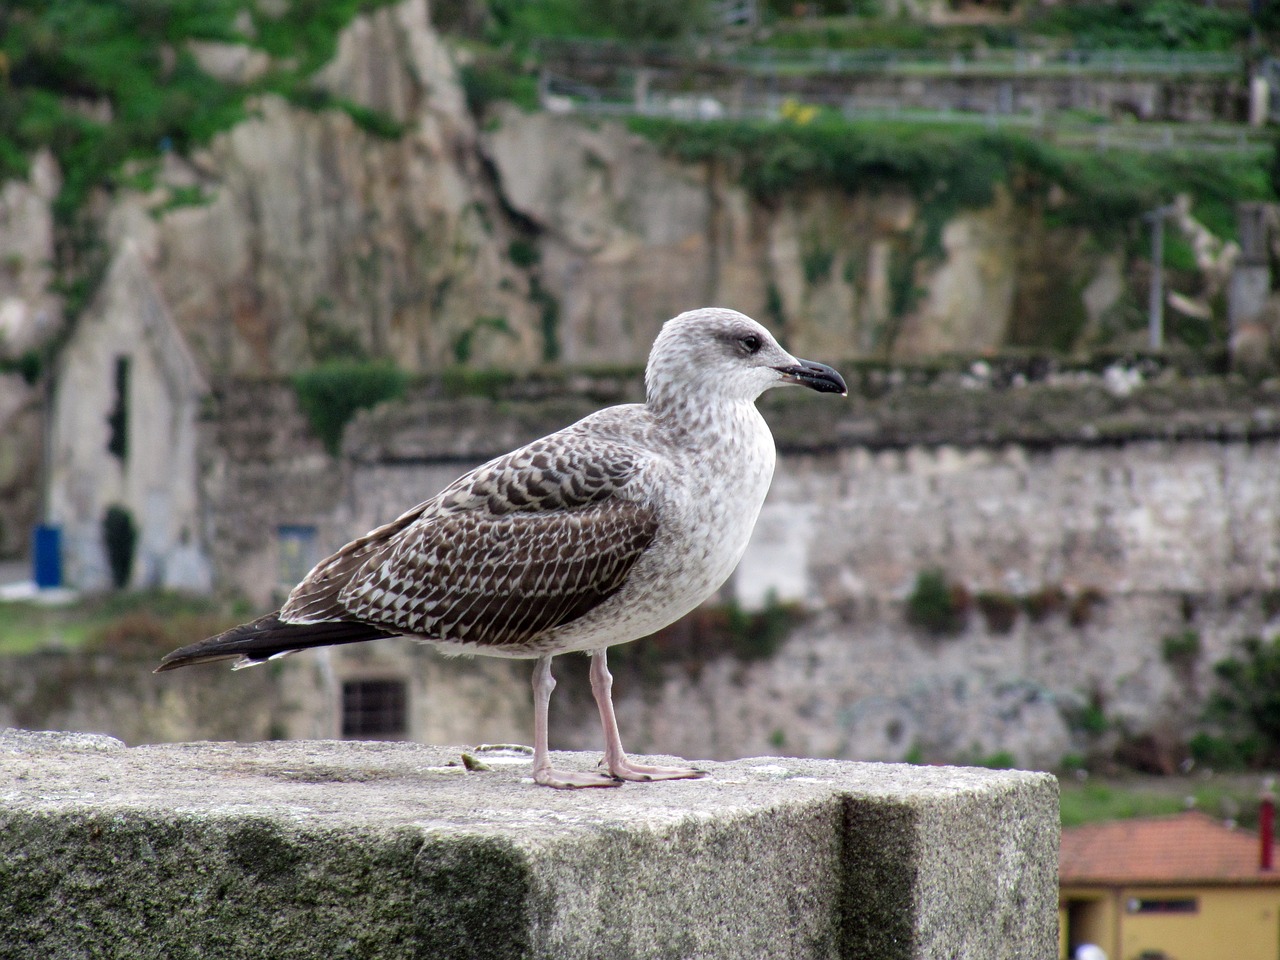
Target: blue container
[{"x": 46, "y": 556}]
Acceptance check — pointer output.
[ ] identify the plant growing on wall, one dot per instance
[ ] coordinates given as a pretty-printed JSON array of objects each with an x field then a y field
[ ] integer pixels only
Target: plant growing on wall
[
  {"x": 1242, "y": 716},
  {"x": 999, "y": 610},
  {"x": 120, "y": 538},
  {"x": 1180, "y": 649},
  {"x": 938, "y": 605},
  {"x": 1080, "y": 611},
  {"x": 1042, "y": 603},
  {"x": 331, "y": 393}
]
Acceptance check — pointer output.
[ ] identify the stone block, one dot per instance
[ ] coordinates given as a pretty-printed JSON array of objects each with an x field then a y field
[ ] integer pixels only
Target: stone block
[{"x": 344, "y": 849}]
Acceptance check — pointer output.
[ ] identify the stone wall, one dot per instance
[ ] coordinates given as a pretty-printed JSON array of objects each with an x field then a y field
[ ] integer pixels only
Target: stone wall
[
  {"x": 123, "y": 435},
  {"x": 448, "y": 700},
  {"x": 395, "y": 850}
]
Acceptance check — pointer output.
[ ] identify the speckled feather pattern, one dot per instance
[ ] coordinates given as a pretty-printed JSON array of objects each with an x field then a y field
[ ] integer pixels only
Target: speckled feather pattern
[{"x": 520, "y": 546}]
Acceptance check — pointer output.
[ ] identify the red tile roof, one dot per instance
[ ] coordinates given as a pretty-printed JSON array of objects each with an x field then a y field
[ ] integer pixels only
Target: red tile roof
[{"x": 1188, "y": 847}]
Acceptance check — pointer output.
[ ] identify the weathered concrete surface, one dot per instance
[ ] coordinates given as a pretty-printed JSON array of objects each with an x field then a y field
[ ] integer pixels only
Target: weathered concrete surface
[{"x": 340, "y": 849}]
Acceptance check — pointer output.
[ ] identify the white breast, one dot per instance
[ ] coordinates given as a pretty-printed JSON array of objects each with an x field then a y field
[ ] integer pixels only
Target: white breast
[{"x": 706, "y": 521}]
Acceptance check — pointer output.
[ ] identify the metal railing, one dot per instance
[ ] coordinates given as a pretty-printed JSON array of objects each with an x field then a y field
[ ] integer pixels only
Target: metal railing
[
  {"x": 565, "y": 95},
  {"x": 1142, "y": 62},
  {"x": 998, "y": 61}
]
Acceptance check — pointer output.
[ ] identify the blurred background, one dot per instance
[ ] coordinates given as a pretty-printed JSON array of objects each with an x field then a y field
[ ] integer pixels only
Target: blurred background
[{"x": 273, "y": 271}]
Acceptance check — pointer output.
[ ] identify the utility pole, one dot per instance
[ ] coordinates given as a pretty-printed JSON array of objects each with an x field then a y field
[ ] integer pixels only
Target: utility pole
[{"x": 1155, "y": 299}]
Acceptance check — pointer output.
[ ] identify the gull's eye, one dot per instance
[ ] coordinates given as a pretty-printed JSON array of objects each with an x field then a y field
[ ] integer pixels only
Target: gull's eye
[{"x": 751, "y": 343}]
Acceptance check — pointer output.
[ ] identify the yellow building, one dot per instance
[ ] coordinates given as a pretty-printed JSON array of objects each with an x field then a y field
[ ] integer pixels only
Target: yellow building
[{"x": 1184, "y": 887}]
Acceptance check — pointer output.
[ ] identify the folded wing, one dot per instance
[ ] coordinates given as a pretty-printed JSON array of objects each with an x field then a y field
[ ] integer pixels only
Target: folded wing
[{"x": 521, "y": 545}]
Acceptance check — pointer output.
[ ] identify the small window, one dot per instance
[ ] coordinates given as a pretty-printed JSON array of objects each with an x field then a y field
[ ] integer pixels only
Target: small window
[
  {"x": 297, "y": 553},
  {"x": 1175, "y": 905},
  {"x": 373, "y": 709},
  {"x": 118, "y": 418}
]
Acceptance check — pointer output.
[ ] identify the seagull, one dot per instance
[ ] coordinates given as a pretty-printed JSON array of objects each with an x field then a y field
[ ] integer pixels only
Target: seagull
[{"x": 595, "y": 535}]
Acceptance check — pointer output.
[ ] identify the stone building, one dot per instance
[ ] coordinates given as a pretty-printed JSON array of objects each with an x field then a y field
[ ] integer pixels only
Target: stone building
[{"x": 123, "y": 434}]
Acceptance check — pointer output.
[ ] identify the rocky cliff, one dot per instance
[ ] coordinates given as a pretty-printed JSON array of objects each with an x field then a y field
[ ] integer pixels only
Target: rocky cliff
[{"x": 387, "y": 219}]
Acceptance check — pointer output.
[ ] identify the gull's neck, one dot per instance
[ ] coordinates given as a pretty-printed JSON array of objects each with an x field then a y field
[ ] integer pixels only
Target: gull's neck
[{"x": 712, "y": 417}]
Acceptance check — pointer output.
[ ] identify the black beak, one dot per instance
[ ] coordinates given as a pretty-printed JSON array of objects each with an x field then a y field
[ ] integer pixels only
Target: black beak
[{"x": 815, "y": 376}]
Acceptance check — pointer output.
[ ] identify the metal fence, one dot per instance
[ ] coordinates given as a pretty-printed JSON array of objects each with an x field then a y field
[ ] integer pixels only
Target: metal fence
[
  {"x": 792, "y": 61},
  {"x": 562, "y": 94},
  {"x": 1110, "y": 62}
]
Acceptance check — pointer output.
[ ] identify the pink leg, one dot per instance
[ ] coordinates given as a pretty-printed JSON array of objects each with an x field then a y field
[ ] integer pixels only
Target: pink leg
[
  {"x": 615, "y": 760},
  {"x": 543, "y": 773}
]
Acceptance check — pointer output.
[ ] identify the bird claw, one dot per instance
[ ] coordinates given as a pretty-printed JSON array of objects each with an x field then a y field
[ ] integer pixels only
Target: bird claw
[
  {"x": 643, "y": 773},
  {"x": 573, "y": 780}
]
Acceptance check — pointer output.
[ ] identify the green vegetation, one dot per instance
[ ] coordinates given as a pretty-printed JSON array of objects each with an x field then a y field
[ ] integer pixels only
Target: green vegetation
[
  {"x": 497, "y": 77},
  {"x": 524, "y": 253},
  {"x": 1000, "y": 760},
  {"x": 192, "y": 196},
  {"x": 1089, "y": 717},
  {"x": 464, "y": 343},
  {"x": 372, "y": 122},
  {"x": 1043, "y": 603},
  {"x": 331, "y": 393},
  {"x": 519, "y": 23},
  {"x": 1242, "y": 716},
  {"x": 1180, "y": 648},
  {"x": 710, "y": 632},
  {"x": 29, "y": 365},
  {"x": 1157, "y": 25},
  {"x": 758, "y": 635},
  {"x": 1181, "y": 25},
  {"x": 1088, "y": 801},
  {"x": 953, "y": 167},
  {"x": 1173, "y": 25},
  {"x": 102, "y": 82},
  {"x": 549, "y": 319},
  {"x": 816, "y": 260},
  {"x": 460, "y": 381},
  {"x": 937, "y": 605}
]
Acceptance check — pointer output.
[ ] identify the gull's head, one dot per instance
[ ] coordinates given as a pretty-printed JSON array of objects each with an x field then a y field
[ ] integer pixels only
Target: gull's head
[{"x": 719, "y": 352}]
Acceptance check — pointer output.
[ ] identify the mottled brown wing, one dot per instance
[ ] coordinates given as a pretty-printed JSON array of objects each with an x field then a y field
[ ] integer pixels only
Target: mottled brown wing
[
  {"x": 522, "y": 544},
  {"x": 473, "y": 577}
]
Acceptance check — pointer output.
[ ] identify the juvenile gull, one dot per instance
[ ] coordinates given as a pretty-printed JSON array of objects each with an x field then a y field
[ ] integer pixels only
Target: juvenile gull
[{"x": 598, "y": 534}]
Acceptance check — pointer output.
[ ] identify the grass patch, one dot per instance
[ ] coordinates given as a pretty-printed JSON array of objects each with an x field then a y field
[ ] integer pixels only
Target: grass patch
[{"x": 1092, "y": 801}]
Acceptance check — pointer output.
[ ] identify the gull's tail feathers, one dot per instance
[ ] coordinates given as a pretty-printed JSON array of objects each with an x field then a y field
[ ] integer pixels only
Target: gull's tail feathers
[{"x": 267, "y": 638}]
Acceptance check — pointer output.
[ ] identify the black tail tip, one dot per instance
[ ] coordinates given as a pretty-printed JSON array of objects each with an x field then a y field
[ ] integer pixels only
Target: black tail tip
[{"x": 232, "y": 644}]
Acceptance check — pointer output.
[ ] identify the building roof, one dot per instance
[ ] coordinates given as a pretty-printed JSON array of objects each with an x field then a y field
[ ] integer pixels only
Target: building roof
[{"x": 1187, "y": 848}]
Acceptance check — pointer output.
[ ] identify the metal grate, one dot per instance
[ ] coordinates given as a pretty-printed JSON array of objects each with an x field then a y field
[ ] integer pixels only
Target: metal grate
[{"x": 375, "y": 708}]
